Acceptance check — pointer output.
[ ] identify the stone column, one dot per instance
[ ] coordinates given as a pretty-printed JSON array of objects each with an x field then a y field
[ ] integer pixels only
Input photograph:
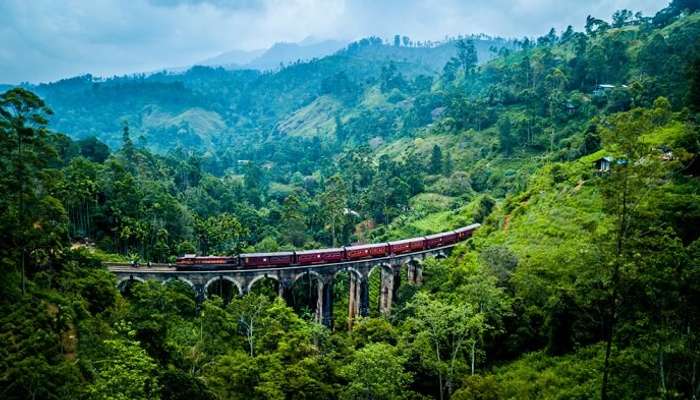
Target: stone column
[
  {"x": 200, "y": 296},
  {"x": 353, "y": 300},
  {"x": 397, "y": 283},
  {"x": 411, "y": 272},
  {"x": 284, "y": 290},
  {"x": 364, "y": 296},
  {"x": 324, "y": 303},
  {"x": 327, "y": 311},
  {"x": 386, "y": 291},
  {"x": 319, "y": 301},
  {"x": 419, "y": 274}
]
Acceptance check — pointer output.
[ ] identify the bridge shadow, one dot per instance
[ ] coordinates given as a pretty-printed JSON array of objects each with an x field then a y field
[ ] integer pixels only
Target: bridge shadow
[
  {"x": 266, "y": 286},
  {"x": 126, "y": 286},
  {"x": 303, "y": 295},
  {"x": 223, "y": 288}
]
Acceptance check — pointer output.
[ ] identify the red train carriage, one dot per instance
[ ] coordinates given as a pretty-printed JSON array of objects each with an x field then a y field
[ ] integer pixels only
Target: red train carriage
[
  {"x": 466, "y": 232},
  {"x": 366, "y": 251},
  {"x": 320, "y": 256},
  {"x": 191, "y": 259},
  {"x": 267, "y": 259},
  {"x": 407, "y": 245},
  {"x": 440, "y": 239},
  {"x": 323, "y": 256}
]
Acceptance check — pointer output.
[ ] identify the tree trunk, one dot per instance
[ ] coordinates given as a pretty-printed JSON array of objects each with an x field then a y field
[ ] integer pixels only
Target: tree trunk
[{"x": 473, "y": 355}]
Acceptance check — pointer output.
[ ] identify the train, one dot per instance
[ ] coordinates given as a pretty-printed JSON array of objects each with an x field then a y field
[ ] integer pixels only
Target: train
[{"x": 325, "y": 256}]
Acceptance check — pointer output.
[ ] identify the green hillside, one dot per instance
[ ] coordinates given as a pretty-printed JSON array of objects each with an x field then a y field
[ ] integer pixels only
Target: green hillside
[{"x": 578, "y": 152}]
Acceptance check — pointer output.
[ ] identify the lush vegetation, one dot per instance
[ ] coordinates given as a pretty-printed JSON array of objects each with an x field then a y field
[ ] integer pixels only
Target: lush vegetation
[{"x": 584, "y": 281}]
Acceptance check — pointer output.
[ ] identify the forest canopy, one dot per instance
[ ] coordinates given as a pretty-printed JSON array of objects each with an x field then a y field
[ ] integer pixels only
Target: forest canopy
[{"x": 576, "y": 151}]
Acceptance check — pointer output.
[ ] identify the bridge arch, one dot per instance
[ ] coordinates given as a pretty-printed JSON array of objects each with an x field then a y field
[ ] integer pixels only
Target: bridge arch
[
  {"x": 123, "y": 281},
  {"x": 383, "y": 266},
  {"x": 261, "y": 277},
  {"x": 311, "y": 272},
  {"x": 225, "y": 278},
  {"x": 185, "y": 280},
  {"x": 350, "y": 270}
]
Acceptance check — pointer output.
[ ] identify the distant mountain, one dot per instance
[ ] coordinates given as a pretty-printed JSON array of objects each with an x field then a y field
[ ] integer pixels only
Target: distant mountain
[
  {"x": 233, "y": 58},
  {"x": 207, "y": 107},
  {"x": 433, "y": 58},
  {"x": 285, "y": 53},
  {"x": 279, "y": 53}
]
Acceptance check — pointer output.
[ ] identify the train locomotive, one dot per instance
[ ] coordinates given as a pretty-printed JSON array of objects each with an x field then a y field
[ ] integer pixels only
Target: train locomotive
[{"x": 325, "y": 256}]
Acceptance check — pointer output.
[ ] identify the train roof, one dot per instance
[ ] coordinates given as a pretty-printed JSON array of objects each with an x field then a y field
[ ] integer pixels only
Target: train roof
[
  {"x": 403, "y": 241},
  {"x": 276, "y": 254},
  {"x": 439, "y": 235},
  {"x": 314, "y": 251},
  {"x": 196, "y": 256},
  {"x": 467, "y": 228},
  {"x": 365, "y": 246}
]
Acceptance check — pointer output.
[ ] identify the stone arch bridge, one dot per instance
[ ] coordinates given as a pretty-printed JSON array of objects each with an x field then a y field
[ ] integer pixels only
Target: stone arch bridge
[{"x": 323, "y": 274}]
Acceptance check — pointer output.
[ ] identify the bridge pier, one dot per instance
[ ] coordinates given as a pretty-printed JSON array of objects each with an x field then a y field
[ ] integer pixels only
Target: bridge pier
[
  {"x": 284, "y": 290},
  {"x": 364, "y": 296},
  {"x": 324, "y": 303},
  {"x": 415, "y": 272},
  {"x": 353, "y": 300},
  {"x": 386, "y": 292}
]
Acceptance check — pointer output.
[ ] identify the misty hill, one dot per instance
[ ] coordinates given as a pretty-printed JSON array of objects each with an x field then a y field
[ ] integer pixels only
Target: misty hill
[
  {"x": 238, "y": 103},
  {"x": 232, "y": 58},
  {"x": 277, "y": 55}
]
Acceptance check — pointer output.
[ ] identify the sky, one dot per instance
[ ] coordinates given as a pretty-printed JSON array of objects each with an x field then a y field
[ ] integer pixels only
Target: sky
[{"x": 46, "y": 40}]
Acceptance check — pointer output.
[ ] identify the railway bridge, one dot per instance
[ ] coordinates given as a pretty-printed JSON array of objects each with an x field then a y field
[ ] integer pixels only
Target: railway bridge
[{"x": 323, "y": 274}]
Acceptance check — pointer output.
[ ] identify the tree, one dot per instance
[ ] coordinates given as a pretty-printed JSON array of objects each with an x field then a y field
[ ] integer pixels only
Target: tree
[
  {"x": 27, "y": 202},
  {"x": 621, "y": 17},
  {"x": 375, "y": 372},
  {"x": 254, "y": 183},
  {"x": 333, "y": 205},
  {"x": 293, "y": 222},
  {"x": 128, "y": 148},
  {"x": 250, "y": 311},
  {"x": 466, "y": 53},
  {"x": 220, "y": 234},
  {"x": 445, "y": 331},
  {"x": 94, "y": 150},
  {"x": 126, "y": 372},
  {"x": 630, "y": 179},
  {"x": 436, "y": 163},
  {"x": 505, "y": 137}
]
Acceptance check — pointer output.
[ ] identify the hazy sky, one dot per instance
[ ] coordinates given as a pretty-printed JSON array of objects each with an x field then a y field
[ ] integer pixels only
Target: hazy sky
[{"x": 42, "y": 40}]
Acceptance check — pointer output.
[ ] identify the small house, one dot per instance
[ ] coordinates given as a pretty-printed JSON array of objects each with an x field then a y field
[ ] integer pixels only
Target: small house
[{"x": 603, "y": 164}]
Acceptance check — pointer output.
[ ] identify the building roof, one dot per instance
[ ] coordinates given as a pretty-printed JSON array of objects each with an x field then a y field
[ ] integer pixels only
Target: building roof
[{"x": 606, "y": 158}]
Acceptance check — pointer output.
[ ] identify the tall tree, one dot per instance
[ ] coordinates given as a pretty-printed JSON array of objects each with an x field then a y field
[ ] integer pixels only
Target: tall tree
[
  {"x": 632, "y": 175},
  {"x": 293, "y": 222},
  {"x": 436, "y": 163},
  {"x": 466, "y": 53},
  {"x": 375, "y": 372},
  {"x": 334, "y": 205},
  {"x": 25, "y": 153}
]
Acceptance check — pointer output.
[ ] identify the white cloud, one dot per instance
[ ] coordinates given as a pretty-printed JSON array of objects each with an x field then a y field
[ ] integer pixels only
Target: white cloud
[{"x": 44, "y": 40}]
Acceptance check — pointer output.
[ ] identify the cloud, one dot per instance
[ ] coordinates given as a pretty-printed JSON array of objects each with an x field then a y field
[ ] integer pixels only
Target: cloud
[
  {"x": 47, "y": 40},
  {"x": 232, "y": 4}
]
